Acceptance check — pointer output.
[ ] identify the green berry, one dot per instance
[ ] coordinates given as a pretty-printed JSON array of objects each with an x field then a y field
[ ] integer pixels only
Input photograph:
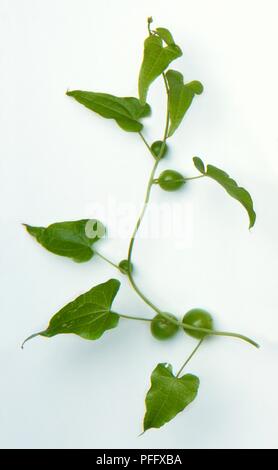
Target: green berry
[
  {"x": 123, "y": 266},
  {"x": 156, "y": 149},
  {"x": 162, "y": 328},
  {"x": 200, "y": 319},
  {"x": 171, "y": 180}
]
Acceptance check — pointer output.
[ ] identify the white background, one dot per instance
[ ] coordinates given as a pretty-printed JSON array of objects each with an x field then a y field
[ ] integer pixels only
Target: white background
[{"x": 58, "y": 160}]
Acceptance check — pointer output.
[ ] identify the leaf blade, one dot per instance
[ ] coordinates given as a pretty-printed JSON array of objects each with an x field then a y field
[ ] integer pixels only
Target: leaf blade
[
  {"x": 180, "y": 98},
  {"x": 126, "y": 111},
  {"x": 156, "y": 59},
  {"x": 69, "y": 238},
  {"x": 231, "y": 187},
  {"x": 89, "y": 315},
  {"x": 168, "y": 396}
]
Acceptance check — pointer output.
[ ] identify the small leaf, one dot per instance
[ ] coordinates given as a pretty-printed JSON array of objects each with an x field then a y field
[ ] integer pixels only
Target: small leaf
[
  {"x": 71, "y": 239},
  {"x": 165, "y": 35},
  {"x": 180, "y": 97},
  {"x": 156, "y": 59},
  {"x": 125, "y": 111},
  {"x": 199, "y": 164},
  {"x": 230, "y": 185},
  {"x": 88, "y": 316},
  {"x": 168, "y": 396}
]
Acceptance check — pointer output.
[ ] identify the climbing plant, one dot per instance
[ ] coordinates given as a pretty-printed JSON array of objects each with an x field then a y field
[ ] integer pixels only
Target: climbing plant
[{"x": 91, "y": 314}]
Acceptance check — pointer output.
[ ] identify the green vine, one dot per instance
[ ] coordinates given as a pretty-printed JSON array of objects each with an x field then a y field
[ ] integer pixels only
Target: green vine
[{"x": 90, "y": 315}]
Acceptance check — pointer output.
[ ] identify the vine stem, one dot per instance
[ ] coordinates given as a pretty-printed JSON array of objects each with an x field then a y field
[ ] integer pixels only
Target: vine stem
[
  {"x": 189, "y": 357},
  {"x": 132, "y": 240},
  {"x": 147, "y": 197}
]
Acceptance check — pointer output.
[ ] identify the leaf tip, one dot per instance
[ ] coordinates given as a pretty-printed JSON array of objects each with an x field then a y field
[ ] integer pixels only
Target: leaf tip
[
  {"x": 28, "y": 228},
  {"x": 34, "y": 231},
  {"x": 252, "y": 222},
  {"x": 30, "y": 337}
]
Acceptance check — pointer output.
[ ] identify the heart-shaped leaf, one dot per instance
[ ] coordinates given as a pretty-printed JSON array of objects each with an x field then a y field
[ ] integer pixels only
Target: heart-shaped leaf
[
  {"x": 72, "y": 239},
  {"x": 125, "y": 111},
  {"x": 230, "y": 185},
  {"x": 180, "y": 97},
  {"x": 88, "y": 316},
  {"x": 156, "y": 59},
  {"x": 168, "y": 395}
]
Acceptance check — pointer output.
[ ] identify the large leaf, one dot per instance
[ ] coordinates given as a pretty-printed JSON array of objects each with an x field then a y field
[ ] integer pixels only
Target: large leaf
[
  {"x": 125, "y": 111},
  {"x": 168, "y": 395},
  {"x": 72, "y": 239},
  {"x": 156, "y": 59},
  {"x": 230, "y": 185},
  {"x": 88, "y": 316},
  {"x": 180, "y": 97}
]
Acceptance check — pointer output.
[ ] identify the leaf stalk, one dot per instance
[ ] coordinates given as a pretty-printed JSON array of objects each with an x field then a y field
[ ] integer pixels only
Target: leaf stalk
[{"x": 190, "y": 357}]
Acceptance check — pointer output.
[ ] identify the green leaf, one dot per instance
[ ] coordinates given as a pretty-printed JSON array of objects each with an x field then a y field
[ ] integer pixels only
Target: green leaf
[
  {"x": 125, "y": 111},
  {"x": 230, "y": 185},
  {"x": 71, "y": 239},
  {"x": 168, "y": 395},
  {"x": 88, "y": 316},
  {"x": 180, "y": 97},
  {"x": 156, "y": 59},
  {"x": 165, "y": 35},
  {"x": 199, "y": 164}
]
